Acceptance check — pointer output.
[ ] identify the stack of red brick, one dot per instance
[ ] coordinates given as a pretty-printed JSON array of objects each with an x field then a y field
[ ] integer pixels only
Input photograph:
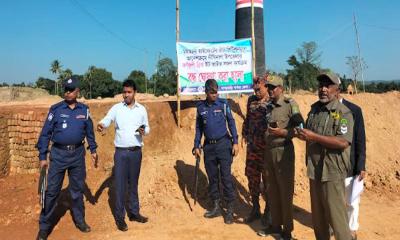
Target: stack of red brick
[{"x": 23, "y": 132}]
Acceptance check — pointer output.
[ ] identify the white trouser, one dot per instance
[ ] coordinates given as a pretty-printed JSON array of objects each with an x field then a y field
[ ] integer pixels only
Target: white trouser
[{"x": 352, "y": 206}]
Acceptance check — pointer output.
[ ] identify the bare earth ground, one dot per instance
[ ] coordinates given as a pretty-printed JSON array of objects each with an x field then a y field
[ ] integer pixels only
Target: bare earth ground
[{"x": 167, "y": 175}]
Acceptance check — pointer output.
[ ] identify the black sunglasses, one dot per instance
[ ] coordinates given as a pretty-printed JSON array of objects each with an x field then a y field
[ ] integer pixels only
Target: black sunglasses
[{"x": 69, "y": 89}]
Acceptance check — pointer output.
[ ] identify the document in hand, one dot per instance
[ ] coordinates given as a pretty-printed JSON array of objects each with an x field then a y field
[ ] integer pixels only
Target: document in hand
[{"x": 358, "y": 188}]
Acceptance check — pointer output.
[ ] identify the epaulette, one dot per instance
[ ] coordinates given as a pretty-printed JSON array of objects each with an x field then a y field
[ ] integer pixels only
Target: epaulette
[
  {"x": 55, "y": 106},
  {"x": 343, "y": 108},
  {"x": 222, "y": 100},
  {"x": 253, "y": 98},
  {"x": 83, "y": 105},
  {"x": 287, "y": 99},
  {"x": 199, "y": 103}
]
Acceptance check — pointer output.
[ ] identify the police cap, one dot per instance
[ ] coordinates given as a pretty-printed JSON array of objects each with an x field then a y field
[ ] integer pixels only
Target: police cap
[{"x": 70, "y": 84}]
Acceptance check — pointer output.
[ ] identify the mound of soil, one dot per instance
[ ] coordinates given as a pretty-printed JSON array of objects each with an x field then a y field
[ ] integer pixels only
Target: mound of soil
[{"x": 166, "y": 182}]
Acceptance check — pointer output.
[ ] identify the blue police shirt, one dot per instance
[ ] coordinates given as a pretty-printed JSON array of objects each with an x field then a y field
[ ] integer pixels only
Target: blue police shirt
[
  {"x": 66, "y": 126},
  {"x": 211, "y": 120}
]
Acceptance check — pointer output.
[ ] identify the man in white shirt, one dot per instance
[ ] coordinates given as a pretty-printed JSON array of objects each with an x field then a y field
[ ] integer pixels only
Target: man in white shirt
[{"x": 131, "y": 124}]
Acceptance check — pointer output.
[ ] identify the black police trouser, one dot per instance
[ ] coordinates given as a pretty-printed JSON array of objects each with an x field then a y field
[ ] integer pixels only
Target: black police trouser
[
  {"x": 218, "y": 161},
  {"x": 127, "y": 165},
  {"x": 61, "y": 161}
]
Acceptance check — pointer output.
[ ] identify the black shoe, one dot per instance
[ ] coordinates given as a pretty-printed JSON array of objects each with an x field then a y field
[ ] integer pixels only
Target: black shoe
[
  {"x": 229, "y": 214},
  {"x": 83, "y": 227},
  {"x": 215, "y": 212},
  {"x": 121, "y": 225},
  {"x": 287, "y": 236},
  {"x": 266, "y": 219},
  {"x": 138, "y": 218},
  {"x": 42, "y": 235},
  {"x": 270, "y": 231},
  {"x": 254, "y": 215}
]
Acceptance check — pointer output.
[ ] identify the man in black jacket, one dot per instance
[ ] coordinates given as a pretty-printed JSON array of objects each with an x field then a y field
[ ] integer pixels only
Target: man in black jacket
[{"x": 357, "y": 173}]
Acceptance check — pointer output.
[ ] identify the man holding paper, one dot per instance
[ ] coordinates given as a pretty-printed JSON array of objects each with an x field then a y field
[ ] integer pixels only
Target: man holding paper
[{"x": 354, "y": 183}]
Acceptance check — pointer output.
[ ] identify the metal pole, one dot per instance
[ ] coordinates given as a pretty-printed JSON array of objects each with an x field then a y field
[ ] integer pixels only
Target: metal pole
[
  {"x": 155, "y": 81},
  {"x": 253, "y": 39},
  {"x": 359, "y": 52},
  {"x": 178, "y": 87},
  {"x": 145, "y": 68}
]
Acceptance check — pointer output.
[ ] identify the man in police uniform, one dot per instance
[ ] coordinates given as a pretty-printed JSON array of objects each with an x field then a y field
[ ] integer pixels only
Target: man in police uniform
[
  {"x": 212, "y": 116},
  {"x": 279, "y": 158},
  {"x": 68, "y": 123},
  {"x": 328, "y": 135},
  {"x": 253, "y": 130}
]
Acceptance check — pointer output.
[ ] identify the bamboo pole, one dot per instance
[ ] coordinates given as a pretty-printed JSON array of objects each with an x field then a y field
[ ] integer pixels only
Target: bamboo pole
[
  {"x": 178, "y": 87},
  {"x": 253, "y": 40}
]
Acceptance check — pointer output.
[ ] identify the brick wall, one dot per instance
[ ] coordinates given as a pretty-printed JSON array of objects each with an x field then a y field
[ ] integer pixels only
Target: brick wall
[
  {"x": 4, "y": 147},
  {"x": 19, "y": 133}
]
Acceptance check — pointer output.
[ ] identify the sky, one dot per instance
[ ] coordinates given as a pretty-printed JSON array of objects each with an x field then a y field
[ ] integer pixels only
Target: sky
[{"x": 127, "y": 35}]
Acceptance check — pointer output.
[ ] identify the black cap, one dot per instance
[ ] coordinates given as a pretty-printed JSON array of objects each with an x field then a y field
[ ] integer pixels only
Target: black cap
[{"x": 70, "y": 84}]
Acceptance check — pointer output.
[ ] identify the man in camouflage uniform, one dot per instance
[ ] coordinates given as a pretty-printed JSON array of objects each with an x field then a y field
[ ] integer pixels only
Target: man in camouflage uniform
[
  {"x": 279, "y": 158},
  {"x": 253, "y": 130}
]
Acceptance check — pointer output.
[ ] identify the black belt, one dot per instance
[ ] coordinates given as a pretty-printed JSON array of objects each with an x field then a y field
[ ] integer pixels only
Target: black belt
[
  {"x": 128, "y": 148},
  {"x": 214, "y": 141},
  {"x": 67, "y": 147}
]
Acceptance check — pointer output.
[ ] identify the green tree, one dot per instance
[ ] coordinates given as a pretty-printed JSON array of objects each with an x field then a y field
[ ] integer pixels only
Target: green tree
[
  {"x": 164, "y": 80},
  {"x": 87, "y": 82},
  {"x": 308, "y": 53},
  {"x": 139, "y": 77},
  {"x": 55, "y": 68},
  {"x": 103, "y": 83},
  {"x": 304, "y": 71},
  {"x": 67, "y": 73},
  {"x": 46, "y": 84}
]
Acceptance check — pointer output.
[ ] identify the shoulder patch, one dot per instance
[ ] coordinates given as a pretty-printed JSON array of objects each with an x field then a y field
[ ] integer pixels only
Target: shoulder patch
[
  {"x": 50, "y": 117},
  {"x": 294, "y": 106},
  {"x": 343, "y": 125}
]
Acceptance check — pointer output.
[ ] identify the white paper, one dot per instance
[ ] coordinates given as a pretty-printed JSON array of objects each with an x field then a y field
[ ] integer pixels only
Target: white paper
[{"x": 357, "y": 188}]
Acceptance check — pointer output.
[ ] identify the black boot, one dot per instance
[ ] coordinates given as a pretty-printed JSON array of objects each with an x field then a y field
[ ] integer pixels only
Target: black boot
[
  {"x": 229, "y": 214},
  {"x": 42, "y": 235},
  {"x": 215, "y": 211},
  {"x": 266, "y": 219},
  {"x": 255, "y": 211}
]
